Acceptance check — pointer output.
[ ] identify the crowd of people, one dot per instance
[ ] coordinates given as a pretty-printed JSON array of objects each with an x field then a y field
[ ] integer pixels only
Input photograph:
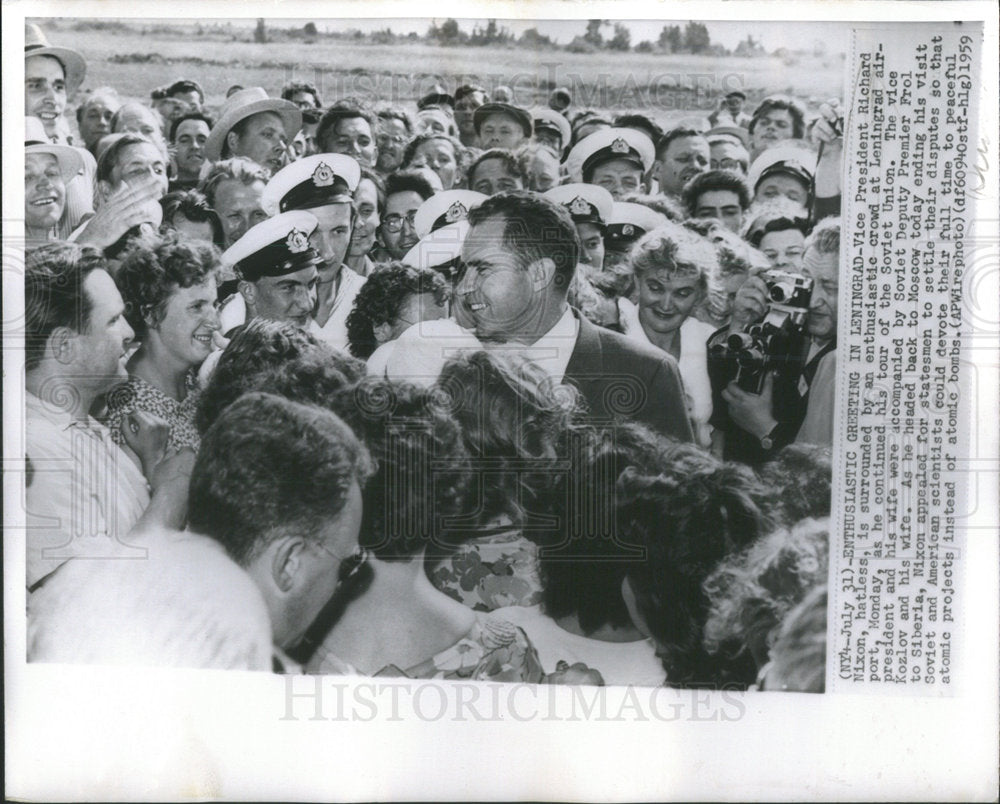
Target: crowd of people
[{"x": 452, "y": 389}]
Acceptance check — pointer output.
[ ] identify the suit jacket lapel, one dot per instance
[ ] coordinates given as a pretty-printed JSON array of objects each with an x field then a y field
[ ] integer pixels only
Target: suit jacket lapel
[{"x": 586, "y": 361}]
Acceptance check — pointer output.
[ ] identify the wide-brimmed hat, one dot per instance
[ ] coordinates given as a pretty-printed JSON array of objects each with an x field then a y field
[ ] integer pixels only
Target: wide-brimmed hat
[
  {"x": 241, "y": 105},
  {"x": 36, "y": 142},
  {"x": 74, "y": 65},
  {"x": 515, "y": 112}
]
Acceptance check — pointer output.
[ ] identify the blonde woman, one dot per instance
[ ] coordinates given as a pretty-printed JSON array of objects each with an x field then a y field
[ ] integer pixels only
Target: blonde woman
[{"x": 675, "y": 272}]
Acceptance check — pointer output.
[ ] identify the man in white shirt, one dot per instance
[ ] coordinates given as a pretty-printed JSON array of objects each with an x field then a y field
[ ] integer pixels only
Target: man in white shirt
[
  {"x": 518, "y": 260},
  {"x": 297, "y": 540},
  {"x": 84, "y": 494}
]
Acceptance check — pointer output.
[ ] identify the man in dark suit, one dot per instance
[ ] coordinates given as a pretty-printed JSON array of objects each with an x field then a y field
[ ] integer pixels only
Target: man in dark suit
[{"x": 518, "y": 260}]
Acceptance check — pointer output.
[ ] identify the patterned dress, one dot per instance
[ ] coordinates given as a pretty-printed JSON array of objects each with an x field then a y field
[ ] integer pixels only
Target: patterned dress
[
  {"x": 492, "y": 650},
  {"x": 491, "y": 572},
  {"x": 136, "y": 393}
]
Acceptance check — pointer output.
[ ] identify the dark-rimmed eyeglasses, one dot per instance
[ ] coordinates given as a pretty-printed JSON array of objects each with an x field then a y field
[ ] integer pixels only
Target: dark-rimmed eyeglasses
[{"x": 394, "y": 223}]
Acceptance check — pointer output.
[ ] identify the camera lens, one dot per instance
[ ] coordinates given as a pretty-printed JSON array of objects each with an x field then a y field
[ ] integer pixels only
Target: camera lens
[
  {"x": 750, "y": 359},
  {"x": 738, "y": 341},
  {"x": 781, "y": 291}
]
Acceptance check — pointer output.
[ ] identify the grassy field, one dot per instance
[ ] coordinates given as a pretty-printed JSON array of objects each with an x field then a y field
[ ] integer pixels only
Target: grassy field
[{"x": 135, "y": 57}]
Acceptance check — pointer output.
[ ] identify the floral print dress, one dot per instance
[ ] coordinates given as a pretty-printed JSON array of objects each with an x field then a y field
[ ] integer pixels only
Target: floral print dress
[
  {"x": 136, "y": 393},
  {"x": 491, "y": 572},
  {"x": 492, "y": 650}
]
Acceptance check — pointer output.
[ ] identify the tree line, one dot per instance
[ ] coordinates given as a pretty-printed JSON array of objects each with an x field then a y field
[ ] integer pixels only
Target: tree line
[{"x": 600, "y": 35}]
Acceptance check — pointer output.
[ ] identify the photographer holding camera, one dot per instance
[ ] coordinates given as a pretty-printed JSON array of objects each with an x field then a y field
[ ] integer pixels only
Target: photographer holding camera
[{"x": 796, "y": 392}]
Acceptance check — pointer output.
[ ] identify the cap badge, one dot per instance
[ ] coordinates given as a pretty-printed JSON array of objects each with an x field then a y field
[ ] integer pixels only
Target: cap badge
[
  {"x": 579, "y": 206},
  {"x": 456, "y": 212},
  {"x": 297, "y": 242},
  {"x": 628, "y": 230},
  {"x": 619, "y": 146},
  {"x": 323, "y": 175}
]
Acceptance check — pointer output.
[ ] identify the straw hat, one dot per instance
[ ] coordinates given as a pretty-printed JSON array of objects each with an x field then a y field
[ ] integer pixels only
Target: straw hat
[
  {"x": 74, "y": 66},
  {"x": 243, "y": 104},
  {"x": 36, "y": 142}
]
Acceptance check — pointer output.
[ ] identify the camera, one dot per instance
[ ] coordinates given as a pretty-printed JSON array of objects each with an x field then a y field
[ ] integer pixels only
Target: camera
[
  {"x": 778, "y": 341},
  {"x": 788, "y": 289}
]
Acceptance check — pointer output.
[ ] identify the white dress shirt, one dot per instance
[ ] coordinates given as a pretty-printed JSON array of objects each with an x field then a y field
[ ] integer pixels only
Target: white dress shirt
[
  {"x": 555, "y": 348},
  {"x": 334, "y": 331}
]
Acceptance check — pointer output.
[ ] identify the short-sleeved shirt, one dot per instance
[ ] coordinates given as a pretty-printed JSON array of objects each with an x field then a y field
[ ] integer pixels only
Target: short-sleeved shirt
[{"x": 84, "y": 494}]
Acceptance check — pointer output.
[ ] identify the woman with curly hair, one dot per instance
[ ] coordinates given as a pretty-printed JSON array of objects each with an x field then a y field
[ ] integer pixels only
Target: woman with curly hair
[
  {"x": 583, "y": 561},
  {"x": 400, "y": 625},
  {"x": 514, "y": 421},
  {"x": 440, "y": 152},
  {"x": 752, "y": 592},
  {"x": 798, "y": 657},
  {"x": 276, "y": 357},
  {"x": 687, "y": 518},
  {"x": 395, "y": 297},
  {"x": 800, "y": 479},
  {"x": 675, "y": 271},
  {"x": 169, "y": 290}
]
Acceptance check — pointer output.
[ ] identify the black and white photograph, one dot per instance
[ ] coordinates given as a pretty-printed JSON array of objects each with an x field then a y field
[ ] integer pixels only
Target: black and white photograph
[{"x": 425, "y": 404}]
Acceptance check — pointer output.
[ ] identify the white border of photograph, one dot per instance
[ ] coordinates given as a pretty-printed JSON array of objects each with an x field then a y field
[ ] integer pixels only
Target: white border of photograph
[{"x": 88, "y": 733}]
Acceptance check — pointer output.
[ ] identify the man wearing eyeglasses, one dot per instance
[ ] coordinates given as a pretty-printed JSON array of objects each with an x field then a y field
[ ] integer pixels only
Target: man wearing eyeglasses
[
  {"x": 404, "y": 193},
  {"x": 298, "y": 541}
]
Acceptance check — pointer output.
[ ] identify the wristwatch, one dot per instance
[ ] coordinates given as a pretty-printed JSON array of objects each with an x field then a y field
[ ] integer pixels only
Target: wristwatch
[{"x": 767, "y": 441}]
